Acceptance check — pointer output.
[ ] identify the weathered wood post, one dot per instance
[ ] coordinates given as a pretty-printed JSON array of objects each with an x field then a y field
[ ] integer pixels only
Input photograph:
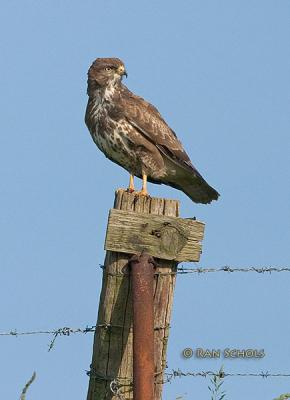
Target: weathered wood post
[{"x": 137, "y": 224}]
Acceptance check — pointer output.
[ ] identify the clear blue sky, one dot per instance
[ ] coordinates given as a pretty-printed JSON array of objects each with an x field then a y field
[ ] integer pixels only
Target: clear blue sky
[{"x": 219, "y": 73}]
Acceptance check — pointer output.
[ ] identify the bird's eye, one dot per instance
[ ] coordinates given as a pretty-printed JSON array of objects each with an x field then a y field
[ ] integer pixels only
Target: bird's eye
[{"x": 108, "y": 69}]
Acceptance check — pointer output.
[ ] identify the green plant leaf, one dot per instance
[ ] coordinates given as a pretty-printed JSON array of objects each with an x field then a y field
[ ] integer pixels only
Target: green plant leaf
[{"x": 283, "y": 397}]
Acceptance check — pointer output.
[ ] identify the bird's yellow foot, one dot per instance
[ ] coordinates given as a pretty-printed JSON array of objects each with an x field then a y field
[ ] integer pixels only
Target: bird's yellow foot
[
  {"x": 143, "y": 191},
  {"x": 131, "y": 187}
]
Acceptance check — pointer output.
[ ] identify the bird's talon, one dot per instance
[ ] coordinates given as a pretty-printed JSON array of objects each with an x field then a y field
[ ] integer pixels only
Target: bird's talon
[{"x": 142, "y": 193}]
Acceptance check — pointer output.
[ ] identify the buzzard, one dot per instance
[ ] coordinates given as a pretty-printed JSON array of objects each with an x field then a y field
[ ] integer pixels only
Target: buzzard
[{"x": 132, "y": 133}]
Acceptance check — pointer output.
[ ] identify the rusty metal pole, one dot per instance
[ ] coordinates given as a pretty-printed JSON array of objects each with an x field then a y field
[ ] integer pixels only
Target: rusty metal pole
[{"x": 142, "y": 273}]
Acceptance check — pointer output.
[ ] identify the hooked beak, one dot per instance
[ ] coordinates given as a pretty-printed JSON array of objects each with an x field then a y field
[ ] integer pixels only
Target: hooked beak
[{"x": 121, "y": 71}]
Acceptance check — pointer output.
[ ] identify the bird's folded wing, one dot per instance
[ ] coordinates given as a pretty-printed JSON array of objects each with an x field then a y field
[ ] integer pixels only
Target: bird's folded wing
[{"x": 148, "y": 121}]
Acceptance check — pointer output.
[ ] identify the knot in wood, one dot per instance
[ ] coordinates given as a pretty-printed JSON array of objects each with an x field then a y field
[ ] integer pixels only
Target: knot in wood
[{"x": 172, "y": 239}]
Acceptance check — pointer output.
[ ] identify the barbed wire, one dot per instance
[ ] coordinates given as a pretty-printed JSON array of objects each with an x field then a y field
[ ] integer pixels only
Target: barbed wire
[
  {"x": 202, "y": 270},
  {"x": 61, "y": 331},
  {"x": 66, "y": 331},
  {"x": 169, "y": 376},
  {"x": 128, "y": 381},
  {"x": 259, "y": 270},
  {"x": 115, "y": 382},
  {"x": 118, "y": 383}
]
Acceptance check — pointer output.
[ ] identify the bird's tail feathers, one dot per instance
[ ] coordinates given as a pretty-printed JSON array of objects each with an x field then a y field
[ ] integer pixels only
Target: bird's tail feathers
[{"x": 197, "y": 189}]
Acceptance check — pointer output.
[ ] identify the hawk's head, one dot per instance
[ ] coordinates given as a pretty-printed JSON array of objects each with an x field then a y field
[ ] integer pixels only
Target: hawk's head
[{"x": 106, "y": 71}]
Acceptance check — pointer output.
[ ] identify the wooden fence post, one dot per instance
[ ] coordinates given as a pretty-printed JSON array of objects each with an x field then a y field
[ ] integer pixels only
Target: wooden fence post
[{"x": 111, "y": 372}]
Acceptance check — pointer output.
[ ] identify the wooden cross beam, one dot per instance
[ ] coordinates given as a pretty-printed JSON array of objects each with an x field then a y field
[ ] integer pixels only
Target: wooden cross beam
[{"x": 168, "y": 238}]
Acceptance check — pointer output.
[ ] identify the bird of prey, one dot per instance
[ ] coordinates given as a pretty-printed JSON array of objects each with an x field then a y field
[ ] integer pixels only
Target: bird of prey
[{"x": 132, "y": 133}]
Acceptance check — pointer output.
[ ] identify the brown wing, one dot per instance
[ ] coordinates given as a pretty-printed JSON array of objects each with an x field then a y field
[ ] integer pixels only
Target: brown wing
[{"x": 147, "y": 119}]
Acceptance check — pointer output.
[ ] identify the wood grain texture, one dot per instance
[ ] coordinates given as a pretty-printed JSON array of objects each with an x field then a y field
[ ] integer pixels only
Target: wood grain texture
[
  {"x": 165, "y": 237},
  {"x": 112, "y": 348}
]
